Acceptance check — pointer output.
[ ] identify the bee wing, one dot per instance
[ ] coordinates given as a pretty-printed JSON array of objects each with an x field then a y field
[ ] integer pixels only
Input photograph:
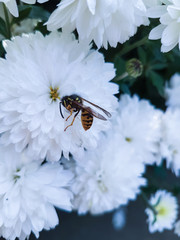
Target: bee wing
[
  {"x": 90, "y": 110},
  {"x": 95, "y": 114},
  {"x": 102, "y": 109}
]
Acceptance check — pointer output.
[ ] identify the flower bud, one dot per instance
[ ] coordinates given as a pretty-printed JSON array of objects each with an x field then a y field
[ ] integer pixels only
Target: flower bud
[{"x": 134, "y": 67}]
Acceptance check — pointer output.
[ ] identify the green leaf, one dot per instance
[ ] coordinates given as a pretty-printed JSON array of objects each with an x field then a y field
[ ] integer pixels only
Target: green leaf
[
  {"x": 3, "y": 30},
  {"x": 24, "y": 13},
  {"x": 33, "y": 12},
  {"x": 124, "y": 88},
  {"x": 2, "y": 51},
  {"x": 159, "y": 66},
  {"x": 157, "y": 81},
  {"x": 142, "y": 55},
  {"x": 42, "y": 28},
  {"x": 39, "y": 13},
  {"x": 120, "y": 66}
]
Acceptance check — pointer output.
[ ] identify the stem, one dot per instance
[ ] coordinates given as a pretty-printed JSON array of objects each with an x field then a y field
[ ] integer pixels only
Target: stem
[
  {"x": 124, "y": 75},
  {"x": 148, "y": 203},
  {"x": 8, "y": 26},
  {"x": 133, "y": 46},
  {"x": 20, "y": 3}
]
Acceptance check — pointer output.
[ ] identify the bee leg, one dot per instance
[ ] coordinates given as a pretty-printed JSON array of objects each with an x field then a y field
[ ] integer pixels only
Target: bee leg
[
  {"x": 69, "y": 115},
  {"x": 72, "y": 120}
]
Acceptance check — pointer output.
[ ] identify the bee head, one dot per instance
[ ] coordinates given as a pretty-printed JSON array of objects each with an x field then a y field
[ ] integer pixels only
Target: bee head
[{"x": 65, "y": 101}]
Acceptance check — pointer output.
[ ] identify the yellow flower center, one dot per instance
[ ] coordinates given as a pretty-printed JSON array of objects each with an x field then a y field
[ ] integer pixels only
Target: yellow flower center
[
  {"x": 16, "y": 176},
  {"x": 54, "y": 94},
  {"x": 161, "y": 210}
]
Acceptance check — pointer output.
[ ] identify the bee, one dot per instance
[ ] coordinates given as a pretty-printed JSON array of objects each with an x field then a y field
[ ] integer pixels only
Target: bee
[{"x": 75, "y": 104}]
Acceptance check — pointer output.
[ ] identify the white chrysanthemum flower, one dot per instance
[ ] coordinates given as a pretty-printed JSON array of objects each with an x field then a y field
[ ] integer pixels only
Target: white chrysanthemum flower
[
  {"x": 28, "y": 193},
  {"x": 177, "y": 228},
  {"x": 173, "y": 90},
  {"x": 104, "y": 22},
  {"x": 12, "y": 5},
  {"x": 169, "y": 29},
  {"x": 170, "y": 144},
  {"x": 166, "y": 207},
  {"x": 138, "y": 124},
  {"x": 107, "y": 177},
  {"x": 37, "y": 72}
]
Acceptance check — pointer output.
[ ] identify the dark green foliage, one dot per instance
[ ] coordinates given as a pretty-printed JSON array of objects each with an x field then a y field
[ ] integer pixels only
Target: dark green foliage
[
  {"x": 158, "y": 67},
  {"x": 2, "y": 27}
]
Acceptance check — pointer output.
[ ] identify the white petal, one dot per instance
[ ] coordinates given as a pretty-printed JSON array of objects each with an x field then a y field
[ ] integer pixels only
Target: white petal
[
  {"x": 165, "y": 19},
  {"x": 29, "y": 1},
  {"x": 170, "y": 34},
  {"x": 52, "y": 217},
  {"x": 12, "y": 6},
  {"x": 176, "y": 2},
  {"x": 173, "y": 11},
  {"x": 156, "y": 33},
  {"x": 167, "y": 48},
  {"x": 92, "y": 6},
  {"x": 156, "y": 12}
]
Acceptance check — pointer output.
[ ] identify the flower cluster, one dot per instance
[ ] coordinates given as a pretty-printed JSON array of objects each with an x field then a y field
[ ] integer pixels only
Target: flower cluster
[
  {"x": 102, "y": 181},
  {"x": 168, "y": 30},
  {"x": 73, "y": 135},
  {"x": 28, "y": 193},
  {"x": 102, "y": 21}
]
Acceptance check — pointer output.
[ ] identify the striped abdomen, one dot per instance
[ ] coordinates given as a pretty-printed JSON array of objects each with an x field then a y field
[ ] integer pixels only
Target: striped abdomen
[{"x": 86, "y": 119}]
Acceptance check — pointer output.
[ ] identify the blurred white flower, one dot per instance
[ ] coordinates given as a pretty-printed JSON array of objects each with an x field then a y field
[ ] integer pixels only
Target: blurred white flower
[
  {"x": 177, "y": 228},
  {"x": 28, "y": 193},
  {"x": 25, "y": 26},
  {"x": 106, "y": 21},
  {"x": 119, "y": 219},
  {"x": 37, "y": 72},
  {"x": 12, "y": 5},
  {"x": 138, "y": 124},
  {"x": 169, "y": 29},
  {"x": 107, "y": 177},
  {"x": 173, "y": 91},
  {"x": 166, "y": 208},
  {"x": 170, "y": 143}
]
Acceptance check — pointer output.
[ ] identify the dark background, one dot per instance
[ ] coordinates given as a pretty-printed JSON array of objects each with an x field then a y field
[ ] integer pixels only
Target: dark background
[
  {"x": 50, "y": 5},
  {"x": 73, "y": 227}
]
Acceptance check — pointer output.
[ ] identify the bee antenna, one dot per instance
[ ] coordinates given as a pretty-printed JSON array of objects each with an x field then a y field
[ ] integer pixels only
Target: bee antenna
[{"x": 60, "y": 109}]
